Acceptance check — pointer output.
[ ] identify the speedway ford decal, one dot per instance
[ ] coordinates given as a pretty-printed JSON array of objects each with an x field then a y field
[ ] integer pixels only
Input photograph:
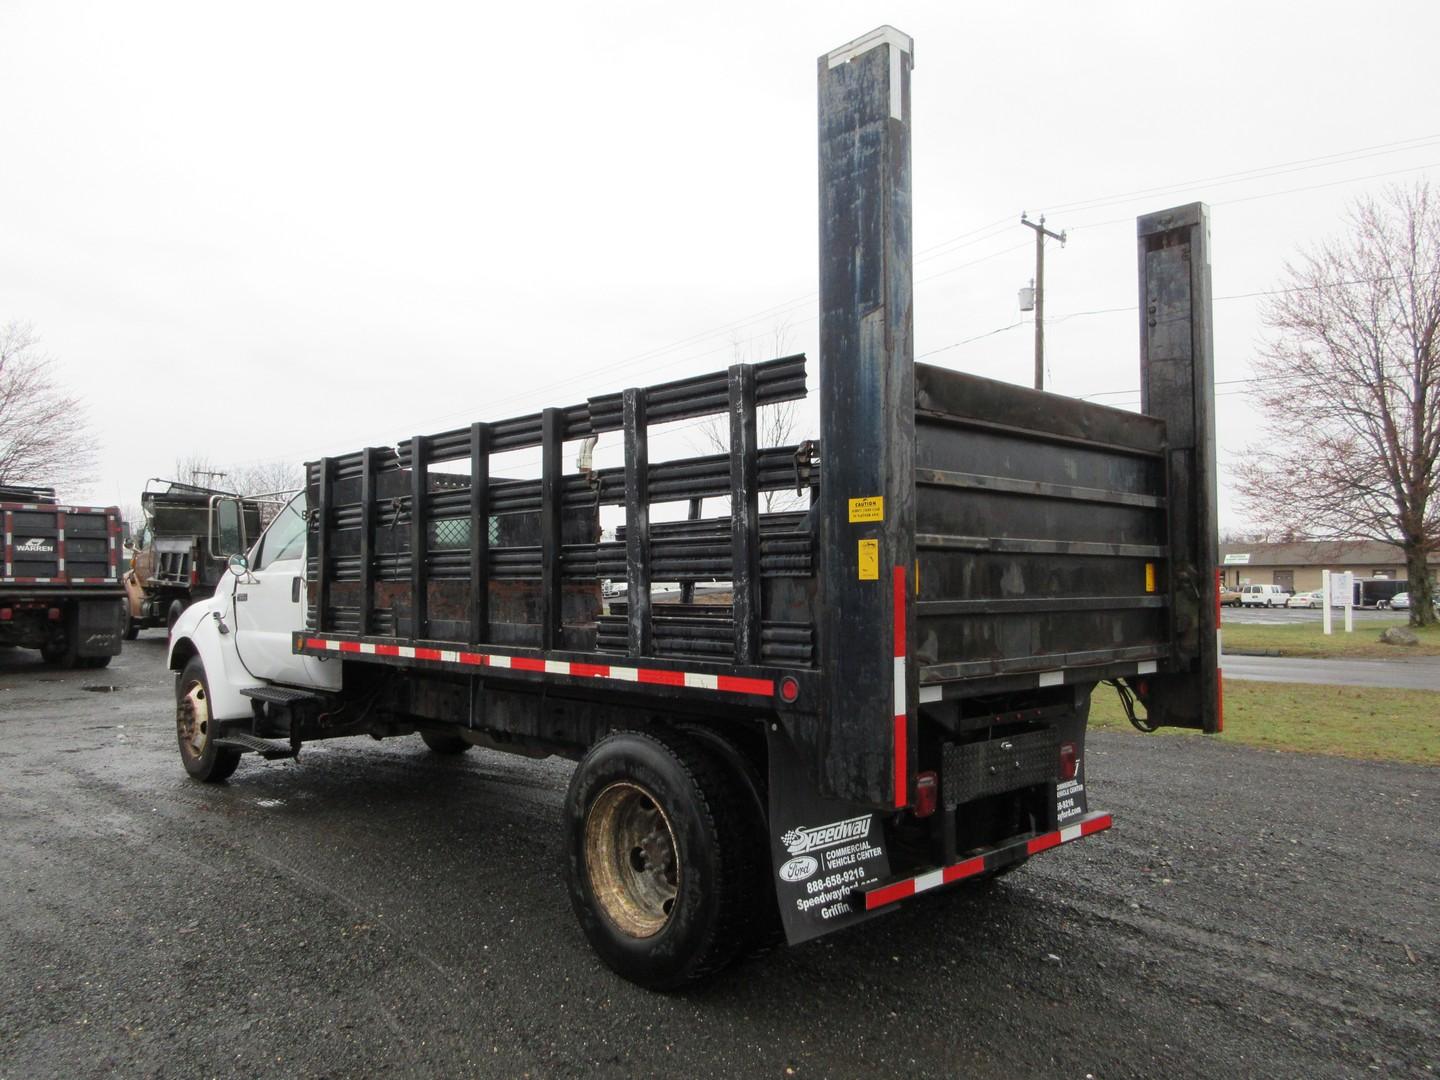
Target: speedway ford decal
[
  {"x": 823, "y": 851},
  {"x": 799, "y": 841},
  {"x": 829, "y": 862}
]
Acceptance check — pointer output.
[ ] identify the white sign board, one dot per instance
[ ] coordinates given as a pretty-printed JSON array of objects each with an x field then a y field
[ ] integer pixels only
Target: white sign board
[
  {"x": 1238, "y": 558},
  {"x": 1342, "y": 588}
]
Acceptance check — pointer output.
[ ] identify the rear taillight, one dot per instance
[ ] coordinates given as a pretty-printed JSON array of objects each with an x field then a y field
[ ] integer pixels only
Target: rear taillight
[
  {"x": 927, "y": 793},
  {"x": 6, "y": 614},
  {"x": 1067, "y": 761}
]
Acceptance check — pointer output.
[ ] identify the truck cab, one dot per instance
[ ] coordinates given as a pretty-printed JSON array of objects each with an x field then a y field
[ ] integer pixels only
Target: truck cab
[{"x": 241, "y": 635}]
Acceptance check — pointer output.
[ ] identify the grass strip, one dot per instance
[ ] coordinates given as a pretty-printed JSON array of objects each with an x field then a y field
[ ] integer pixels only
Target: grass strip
[
  {"x": 1345, "y": 721},
  {"x": 1307, "y": 639}
]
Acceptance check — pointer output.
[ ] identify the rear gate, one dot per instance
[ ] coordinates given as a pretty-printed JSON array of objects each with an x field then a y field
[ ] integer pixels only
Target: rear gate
[
  {"x": 1040, "y": 531},
  {"x": 1063, "y": 542},
  {"x": 60, "y": 545}
]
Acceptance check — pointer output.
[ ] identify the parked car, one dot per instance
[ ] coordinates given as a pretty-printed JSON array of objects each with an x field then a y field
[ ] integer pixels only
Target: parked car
[
  {"x": 1229, "y": 596},
  {"x": 1400, "y": 601},
  {"x": 1262, "y": 596},
  {"x": 1313, "y": 599}
]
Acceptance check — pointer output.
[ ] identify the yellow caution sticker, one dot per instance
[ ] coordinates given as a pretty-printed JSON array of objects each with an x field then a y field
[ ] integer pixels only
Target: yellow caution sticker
[
  {"x": 870, "y": 509},
  {"x": 1149, "y": 577},
  {"x": 869, "y": 560}
]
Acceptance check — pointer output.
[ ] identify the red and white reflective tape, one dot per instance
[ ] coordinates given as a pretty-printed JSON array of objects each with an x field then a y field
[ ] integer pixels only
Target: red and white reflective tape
[
  {"x": 61, "y": 580},
  {"x": 690, "y": 680},
  {"x": 902, "y": 707},
  {"x": 59, "y": 509},
  {"x": 1219, "y": 652},
  {"x": 900, "y": 890}
]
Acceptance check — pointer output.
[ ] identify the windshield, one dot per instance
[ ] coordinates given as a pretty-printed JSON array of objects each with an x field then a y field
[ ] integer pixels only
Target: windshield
[{"x": 285, "y": 538}]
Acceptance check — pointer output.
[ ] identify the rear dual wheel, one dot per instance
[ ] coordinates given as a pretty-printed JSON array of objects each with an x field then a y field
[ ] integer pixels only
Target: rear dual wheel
[{"x": 665, "y": 862}]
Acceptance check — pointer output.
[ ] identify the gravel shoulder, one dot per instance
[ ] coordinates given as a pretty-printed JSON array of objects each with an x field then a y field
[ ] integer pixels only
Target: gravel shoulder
[{"x": 375, "y": 910}]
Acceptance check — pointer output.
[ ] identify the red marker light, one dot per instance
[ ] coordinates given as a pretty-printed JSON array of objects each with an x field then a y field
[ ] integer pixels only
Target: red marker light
[
  {"x": 6, "y": 614},
  {"x": 789, "y": 690},
  {"x": 1067, "y": 761},
  {"x": 927, "y": 794},
  {"x": 54, "y": 614}
]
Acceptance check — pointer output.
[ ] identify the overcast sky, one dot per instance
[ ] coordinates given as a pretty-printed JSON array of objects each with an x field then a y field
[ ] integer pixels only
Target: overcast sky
[{"x": 275, "y": 231}]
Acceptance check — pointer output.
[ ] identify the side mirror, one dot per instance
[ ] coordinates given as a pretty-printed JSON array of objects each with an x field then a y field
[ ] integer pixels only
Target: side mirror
[
  {"x": 238, "y": 564},
  {"x": 227, "y": 528}
]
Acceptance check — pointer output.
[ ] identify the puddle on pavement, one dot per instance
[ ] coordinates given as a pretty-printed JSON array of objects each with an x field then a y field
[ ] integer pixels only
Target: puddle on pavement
[{"x": 101, "y": 689}]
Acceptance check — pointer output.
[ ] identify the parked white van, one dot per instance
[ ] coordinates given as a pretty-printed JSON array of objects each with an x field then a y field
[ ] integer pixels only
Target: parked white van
[{"x": 1263, "y": 596}]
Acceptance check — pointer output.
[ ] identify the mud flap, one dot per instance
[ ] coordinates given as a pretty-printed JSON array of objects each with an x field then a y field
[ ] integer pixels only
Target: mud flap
[
  {"x": 822, "y": 850},
  {"x": 1070, "y": 801},
  {"x": 97, "y": 627}
]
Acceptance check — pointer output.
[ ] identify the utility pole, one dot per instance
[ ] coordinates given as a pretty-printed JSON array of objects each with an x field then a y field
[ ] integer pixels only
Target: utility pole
[{"x": 1040, "y": 234}]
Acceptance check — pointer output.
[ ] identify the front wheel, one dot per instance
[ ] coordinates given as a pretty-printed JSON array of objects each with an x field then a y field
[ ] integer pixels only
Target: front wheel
[
  {"x": 200, "y": 753},
  {"x": 658, "y": 874}
]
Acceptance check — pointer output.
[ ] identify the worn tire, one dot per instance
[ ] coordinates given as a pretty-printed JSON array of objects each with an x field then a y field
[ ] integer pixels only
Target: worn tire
[
  {"x": 764, "y": 930},
  {"x": 172, "y": 616},
  {"x": 441, "y": 743},
  {"x": 93, "y": 662},
  {"x": 702, "y": 925},
  {"x": 206, "y": 761},
  {"x": 131, "y": 631}
]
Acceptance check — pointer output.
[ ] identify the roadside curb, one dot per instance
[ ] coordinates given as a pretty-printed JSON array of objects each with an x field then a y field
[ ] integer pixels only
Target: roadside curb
[{"x": 1250, "y": 652}]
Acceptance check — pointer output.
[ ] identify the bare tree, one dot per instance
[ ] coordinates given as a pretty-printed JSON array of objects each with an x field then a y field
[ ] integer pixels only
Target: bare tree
[
  {"x": 267, "y": 478},
  {"x": 198, "y": 470},
  {"x": 44, "y": 436},
  {"x": 1349, "y": 381},
  {"x": 775, "y": 425},
  {"x": 256, "y": 478}
]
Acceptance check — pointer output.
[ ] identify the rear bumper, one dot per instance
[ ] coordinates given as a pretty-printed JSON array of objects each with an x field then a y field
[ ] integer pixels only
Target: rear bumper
[{"x": 878, "y": 896}]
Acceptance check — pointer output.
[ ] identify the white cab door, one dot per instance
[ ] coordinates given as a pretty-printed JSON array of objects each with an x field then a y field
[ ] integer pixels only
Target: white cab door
[{"x": 270, "y": 607}]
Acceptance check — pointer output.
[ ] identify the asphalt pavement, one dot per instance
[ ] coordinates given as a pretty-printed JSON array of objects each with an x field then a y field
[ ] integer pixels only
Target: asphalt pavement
[
  {"x": 1281, "y": 615},
  {"x": 373, "y": 910},
  {"x": 1411, "y": 673}
]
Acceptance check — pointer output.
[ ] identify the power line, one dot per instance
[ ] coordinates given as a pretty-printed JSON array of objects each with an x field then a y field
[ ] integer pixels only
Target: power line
[
  {"x": 1260, "y": 172},
  {"x": 1273, "y": 194},
  {"x": 975, "y": 236}
]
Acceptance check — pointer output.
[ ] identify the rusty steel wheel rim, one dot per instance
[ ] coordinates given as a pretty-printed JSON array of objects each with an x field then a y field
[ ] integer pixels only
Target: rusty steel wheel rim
[
  {"x": 630, "y": 855},
  {"x": 192, "y": 718}
]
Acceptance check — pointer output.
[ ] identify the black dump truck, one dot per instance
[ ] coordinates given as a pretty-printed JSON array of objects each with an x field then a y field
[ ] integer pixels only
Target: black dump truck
[
  {"x": 896, "y": 696},
  {"x": 61, "y": 591},
  {"x": 175, "y": 560}
]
